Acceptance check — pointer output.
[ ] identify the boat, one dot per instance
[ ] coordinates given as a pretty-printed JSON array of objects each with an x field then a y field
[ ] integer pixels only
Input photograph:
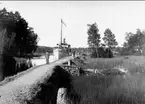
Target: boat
[{"x": 61, "y": 50}]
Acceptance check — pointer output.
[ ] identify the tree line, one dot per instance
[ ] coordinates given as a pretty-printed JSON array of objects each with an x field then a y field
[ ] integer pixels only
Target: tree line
[
  {"x": 97, "y": 48},
  {"x": 41, "y": 50},
  {"x": 134, "y": 43},
  {"x": 17, "y": 39}
]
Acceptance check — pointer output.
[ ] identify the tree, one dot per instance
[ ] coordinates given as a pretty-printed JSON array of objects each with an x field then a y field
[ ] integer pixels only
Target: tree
[
  {"x": 15, "y": 37},
  {"x": 109, "y": 39},
  {"x": 93, "y": 37},
  {"x": 136, "y": 42},
  {"x": 24, "y": 38},
  {"x": 3, "y": 42}
]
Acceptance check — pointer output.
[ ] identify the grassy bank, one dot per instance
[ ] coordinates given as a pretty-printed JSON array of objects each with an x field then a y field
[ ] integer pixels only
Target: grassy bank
[{"x": 112, "y": 89}]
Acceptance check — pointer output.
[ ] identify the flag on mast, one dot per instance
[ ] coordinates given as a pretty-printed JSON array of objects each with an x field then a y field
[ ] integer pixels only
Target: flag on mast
[{"x": 63, "y": 22}]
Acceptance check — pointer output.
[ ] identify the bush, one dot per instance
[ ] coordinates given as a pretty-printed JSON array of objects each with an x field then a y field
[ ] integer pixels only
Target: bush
[
  {"x": 102, "y": 53},
  {"x": 13, "y": 65},
  {"x": 9, "y": 66}
]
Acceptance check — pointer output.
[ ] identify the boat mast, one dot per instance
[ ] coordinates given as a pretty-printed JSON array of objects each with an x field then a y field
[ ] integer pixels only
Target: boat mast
[
  {"x": 61, "y": 33},
  {"x": 62, "y": 23}
]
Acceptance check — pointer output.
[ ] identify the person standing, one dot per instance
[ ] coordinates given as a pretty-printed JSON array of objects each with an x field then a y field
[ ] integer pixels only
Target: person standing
[{"x": 47, "y": 57}]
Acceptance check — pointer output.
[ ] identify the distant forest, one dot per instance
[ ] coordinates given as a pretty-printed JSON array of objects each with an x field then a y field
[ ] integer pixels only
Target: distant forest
[{"x": 41, "y": 50}]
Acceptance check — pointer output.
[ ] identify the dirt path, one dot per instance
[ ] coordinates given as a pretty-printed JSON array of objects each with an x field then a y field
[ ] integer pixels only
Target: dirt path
[{"x": 18, "y": 91}]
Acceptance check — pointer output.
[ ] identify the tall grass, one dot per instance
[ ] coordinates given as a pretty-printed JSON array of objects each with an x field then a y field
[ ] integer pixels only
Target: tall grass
[
  {"x": 135, "y": 64},
  {"x": 101, "y": 63},
  {"x": 113, "y": 88},
  {"x": 110, "y": 89}
]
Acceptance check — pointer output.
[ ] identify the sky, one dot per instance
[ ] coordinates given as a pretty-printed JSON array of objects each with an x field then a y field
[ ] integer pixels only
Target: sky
[{"x": 45, "y": 17}]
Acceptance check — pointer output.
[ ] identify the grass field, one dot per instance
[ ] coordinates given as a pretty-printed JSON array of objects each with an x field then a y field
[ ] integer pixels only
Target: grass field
[
  {"x": 113, "y": 89},
  {"x": 132, "y": 63}
]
